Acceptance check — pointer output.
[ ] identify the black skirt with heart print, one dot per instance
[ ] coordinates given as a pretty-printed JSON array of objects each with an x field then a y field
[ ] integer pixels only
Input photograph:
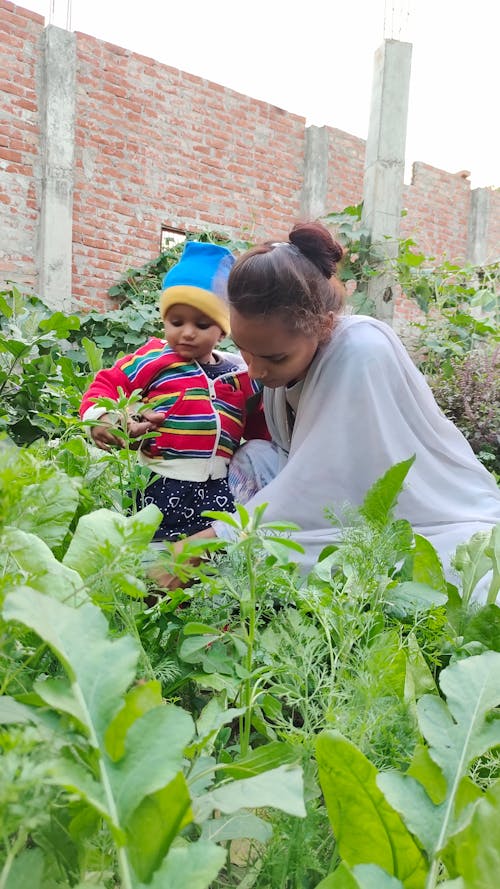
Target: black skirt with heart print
[{"x": 182, "y": 503}]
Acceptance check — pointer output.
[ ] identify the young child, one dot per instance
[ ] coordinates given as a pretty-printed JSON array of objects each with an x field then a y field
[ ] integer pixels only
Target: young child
[{"x": 202, "y": 401}]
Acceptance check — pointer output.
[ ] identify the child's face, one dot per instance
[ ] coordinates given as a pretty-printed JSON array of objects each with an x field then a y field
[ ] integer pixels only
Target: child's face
[{"x": 190, "y": 333}]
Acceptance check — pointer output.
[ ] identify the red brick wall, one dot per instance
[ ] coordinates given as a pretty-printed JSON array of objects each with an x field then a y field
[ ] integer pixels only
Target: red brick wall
[
  {"x": 156, "y": 146},
  {"x": 345, "y": 170},
  {"x": 437, "y": 205},
  {"x": 20, "y": 34}
]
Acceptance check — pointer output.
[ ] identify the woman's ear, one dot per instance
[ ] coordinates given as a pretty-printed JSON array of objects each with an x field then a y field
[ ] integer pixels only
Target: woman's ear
[{"x": 327, "y": 325}]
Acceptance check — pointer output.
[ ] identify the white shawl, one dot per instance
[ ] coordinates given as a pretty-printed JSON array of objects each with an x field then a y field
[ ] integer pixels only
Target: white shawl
[{"x": 364, "y": 406}]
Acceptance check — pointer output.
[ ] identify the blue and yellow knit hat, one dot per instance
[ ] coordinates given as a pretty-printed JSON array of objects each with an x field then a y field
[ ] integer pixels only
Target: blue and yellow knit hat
[{"x": 200, "y": 280}]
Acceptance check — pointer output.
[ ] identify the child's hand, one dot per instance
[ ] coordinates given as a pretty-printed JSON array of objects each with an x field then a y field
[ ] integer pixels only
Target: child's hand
[
  {"x": 103, "y": 435},
  {"x": 139, "y": 424}
]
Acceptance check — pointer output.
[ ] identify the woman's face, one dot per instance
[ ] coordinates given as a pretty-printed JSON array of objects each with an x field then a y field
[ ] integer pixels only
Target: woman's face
[{"x": 274, "y": 354}]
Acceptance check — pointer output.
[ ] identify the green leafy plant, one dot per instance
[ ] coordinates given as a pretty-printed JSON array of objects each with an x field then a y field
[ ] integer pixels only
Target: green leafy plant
[
  {"x": 409, "y": 826},
  {"x": 40, "y": 387},
  {"x": 215, "y": 647},
  {"x": 468, "y": 391},
  {"x": 360, "y": 259}
]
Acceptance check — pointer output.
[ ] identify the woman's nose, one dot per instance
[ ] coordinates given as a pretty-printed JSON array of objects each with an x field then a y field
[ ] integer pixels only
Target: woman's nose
[{"x": 256, "y": 370}]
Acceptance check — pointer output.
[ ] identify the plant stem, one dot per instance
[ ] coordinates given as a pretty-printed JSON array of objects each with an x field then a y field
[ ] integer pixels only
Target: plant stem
[
  {"x": 123, "y": 863},
  {"x": 248, "y": 660},
  {"x": 16, "y": 847}
]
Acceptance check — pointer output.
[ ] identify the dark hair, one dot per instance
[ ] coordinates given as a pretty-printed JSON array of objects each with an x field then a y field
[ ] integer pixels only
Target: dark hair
[{"x": 292, "y": 279}]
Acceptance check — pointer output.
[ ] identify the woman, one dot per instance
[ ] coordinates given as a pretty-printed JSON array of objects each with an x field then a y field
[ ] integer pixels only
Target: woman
[{"x": 343, "y": 403}]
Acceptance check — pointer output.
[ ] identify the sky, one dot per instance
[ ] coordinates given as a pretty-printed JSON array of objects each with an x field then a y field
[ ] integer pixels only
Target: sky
[{"x": 315, "y": 58}]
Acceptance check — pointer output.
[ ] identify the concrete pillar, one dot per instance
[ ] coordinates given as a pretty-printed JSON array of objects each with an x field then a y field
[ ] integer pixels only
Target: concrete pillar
[
  {"x": 384, "y": 165},
  {"x": 315, "y": 182},
  {"x": 57, "y": 159},
  {"x": 477, "y": 244}
]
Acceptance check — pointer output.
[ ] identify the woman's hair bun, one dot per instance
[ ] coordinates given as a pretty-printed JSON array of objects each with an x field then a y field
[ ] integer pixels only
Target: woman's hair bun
[{"x": 316, "y": 243}]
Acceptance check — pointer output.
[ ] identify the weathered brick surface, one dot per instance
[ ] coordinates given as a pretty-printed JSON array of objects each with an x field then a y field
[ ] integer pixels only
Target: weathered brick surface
[
  {"x": 20, "y": 34},
  {"x": 155, "y": 146},
  {"x": 437, "y": 205},
  {"x": 345, "y": 170}
]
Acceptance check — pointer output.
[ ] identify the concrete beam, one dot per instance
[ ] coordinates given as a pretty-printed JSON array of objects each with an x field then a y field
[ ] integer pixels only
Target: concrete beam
[
  {"x": 385, "y": 164},
  {"x": 479, "y": 212},
  {"x": 57, "y": 156},
  {"x": 315, "y": 181}
]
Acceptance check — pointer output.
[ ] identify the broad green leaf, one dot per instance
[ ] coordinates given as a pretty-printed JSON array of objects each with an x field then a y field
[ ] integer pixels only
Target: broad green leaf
[
  {"x": 15, "y": 347},
  {"x": 484, "y": 626},
  {"x": 100, "y": 670},
  {"x": 94, "y": 355},
  {"x": 213, "y": 717},
  {"x": 59, "y": 695},
  {"x": 475, "y": 851},
  {"x": 5, "y": 308},
  {"x": 383, "y": 495},
  {"x": 193, "y": 648},
  {"x": 75, "y": 777},
  {"x": 411, "y": 598},
  {"x": 493, "y": 552},
  {"x": 279, "y": 526},
  {"x": 14, "y": 713},
  {"x": 103, "y": 537},
  {"x": 427, "y": 567},
  {"x": 154, "y": 749},
  {"x": 428, "y": 774},
  {"x": 362, "y": 876},
  {"x": 224, "y": 517},
  {"x": 280, "y": 788},
  {"x": 46, "y": 508},
  {"x": 472, "y": 561},
  {"x": 267, "y": 756},
  {"x": 244, "y": 515},
  {"x": 234, "y": 827},
  {"x": 193, "y": 866},
  {"x": 197, "y": 629},
  {"x": 60, "y": 323},
  {"x": 138, "y": 701},
  {"x": 366, "y": 828},
  {"x": 460, "y": 730},
  {"x": 46, "y": 574},
  {"x": 407, "y": 796},
  {"x": 457, "y": 732},
  {"x": 155, "y": 823},
  {"x": 27, "y": 870},
  {"x": 418, "y": 679},
  {"x": 201, "y": 774},
  {"x": 280, "y": 547}
]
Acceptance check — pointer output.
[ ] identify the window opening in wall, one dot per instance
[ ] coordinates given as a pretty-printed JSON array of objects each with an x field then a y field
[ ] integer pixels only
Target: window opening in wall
[{"x": 170, "y": 237}]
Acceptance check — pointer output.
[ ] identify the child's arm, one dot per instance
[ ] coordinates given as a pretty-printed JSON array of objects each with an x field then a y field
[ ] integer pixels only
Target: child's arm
[
  {"x": 255, "y": 425},
  {"x": 105, "y": 384}
]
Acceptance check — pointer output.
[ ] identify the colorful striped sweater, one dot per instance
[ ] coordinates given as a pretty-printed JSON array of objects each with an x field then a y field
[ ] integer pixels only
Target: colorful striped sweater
[{"x": 204, "y": 418}]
